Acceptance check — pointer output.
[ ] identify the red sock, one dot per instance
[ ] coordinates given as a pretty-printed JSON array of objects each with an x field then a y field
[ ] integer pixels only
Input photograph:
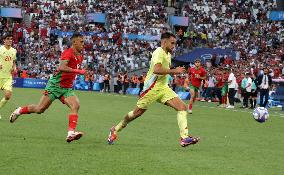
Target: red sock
[
  {"x": 24, "y": 110},
  {"x": 73, "y": 118},
  {"x": 190, "y": 106}
]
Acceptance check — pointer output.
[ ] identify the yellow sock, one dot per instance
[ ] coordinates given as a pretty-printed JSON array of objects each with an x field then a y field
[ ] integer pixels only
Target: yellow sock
[
  {"x": 122, "y": 124},
  {"x": 182, "y": 123},
  {"x": 3, "y": 102}
]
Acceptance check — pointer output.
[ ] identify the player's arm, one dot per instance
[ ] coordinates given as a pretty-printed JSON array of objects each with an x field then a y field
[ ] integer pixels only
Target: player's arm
[
  {"x": 13, "y": 69},
  {"x": 63, "y": 67},
  {"x": 202, "y": 76},
  {"x": 159, "y": 70}
]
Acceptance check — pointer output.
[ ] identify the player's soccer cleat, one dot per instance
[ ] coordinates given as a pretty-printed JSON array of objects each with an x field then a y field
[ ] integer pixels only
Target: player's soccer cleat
[
  {"x": 14, "y": 116},
  {"x": 112, "y": 136},
  {"x": 74, "y": 136},
  {"x": 189, "y": 111},
  {"x": 189, "y": 141},
  {"x": 230, "y": 107}
]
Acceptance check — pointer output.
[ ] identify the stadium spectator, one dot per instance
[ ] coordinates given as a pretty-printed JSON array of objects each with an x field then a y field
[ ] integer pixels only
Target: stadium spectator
[{"x": 264, "y": 82}]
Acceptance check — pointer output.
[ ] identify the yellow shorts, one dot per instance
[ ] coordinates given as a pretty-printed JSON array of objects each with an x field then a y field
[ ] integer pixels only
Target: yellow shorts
[
  {"x": 6, "y": 84},
  {"x": 161, "y": 96}
]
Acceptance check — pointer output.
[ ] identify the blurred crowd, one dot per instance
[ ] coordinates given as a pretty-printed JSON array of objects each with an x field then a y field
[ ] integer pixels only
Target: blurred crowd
[
  {"x": 105, "y": 52},
  {"x": 241, "y": 25}
]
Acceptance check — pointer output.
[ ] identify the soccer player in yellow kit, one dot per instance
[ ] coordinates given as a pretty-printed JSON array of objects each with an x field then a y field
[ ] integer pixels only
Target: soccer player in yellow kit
[
  {"x": 7, "y": 66},
  {"x": 156, "y": 89}
]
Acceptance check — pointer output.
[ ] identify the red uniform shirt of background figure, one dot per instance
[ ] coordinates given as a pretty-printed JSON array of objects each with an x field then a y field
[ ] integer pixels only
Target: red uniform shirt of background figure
[
  {"x": 225, "y": 77},
  {"x": 193, "y": 72},
  {"x": 219, "y": 79},
  {"x": 66, "y": 78}
]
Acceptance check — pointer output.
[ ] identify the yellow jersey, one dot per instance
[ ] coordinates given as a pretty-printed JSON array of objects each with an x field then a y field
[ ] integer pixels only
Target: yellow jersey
[
  {"x": 7, "y": 57},
  {"x": 152, "y": 80}
]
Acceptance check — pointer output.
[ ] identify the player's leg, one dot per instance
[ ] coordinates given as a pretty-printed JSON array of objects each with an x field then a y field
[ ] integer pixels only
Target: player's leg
[
  {"x": 251, "y": 100},
  {"x": 142, "y": 104},
  {"x": 254, "y": 98},
  {"x": 224, "y": 96},
  {"x": 39, "y": 108},
  {"x": 73, "y": 103},
  {"x": 130, "y": 116},
  {"x": 192, "y": 99},
  {"x": 6, "y": 98},
  {"x": 171, "y": 99},
  {"x": 266, "y": 96},
  {"x": 6, "y": 85}
]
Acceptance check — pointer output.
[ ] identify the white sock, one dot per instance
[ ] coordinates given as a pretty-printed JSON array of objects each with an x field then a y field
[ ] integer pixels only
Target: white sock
[
  {"x": 70, "y": 133},
  {"x": 17, "y": 111}
]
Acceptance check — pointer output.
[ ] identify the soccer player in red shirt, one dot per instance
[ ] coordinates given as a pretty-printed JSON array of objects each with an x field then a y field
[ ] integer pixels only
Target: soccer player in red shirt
[
  {"x": 59, "y": 87},
  {"x": 197, "y": 74},
  {"x": 219, "y": 86}
]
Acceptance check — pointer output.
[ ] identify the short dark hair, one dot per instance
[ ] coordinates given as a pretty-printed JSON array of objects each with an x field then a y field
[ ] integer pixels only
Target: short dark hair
[
  {"x": 76, "y": 35},
  {"x": 167, "y": 35},
  {"x": 197, "y": 60},
  {"x": 7, "y": 35}
]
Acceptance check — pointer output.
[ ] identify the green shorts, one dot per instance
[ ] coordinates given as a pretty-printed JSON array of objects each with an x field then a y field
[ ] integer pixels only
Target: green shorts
[
  {"x": 224, "y": 90},
  {"x": 56, "y": 92},
  {"x": 191, "y": 87},
  {"x": 159, "y": 95}
]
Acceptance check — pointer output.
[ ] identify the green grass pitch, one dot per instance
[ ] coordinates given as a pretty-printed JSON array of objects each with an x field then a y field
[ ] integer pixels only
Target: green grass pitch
[{"x": 232, "y": 143}]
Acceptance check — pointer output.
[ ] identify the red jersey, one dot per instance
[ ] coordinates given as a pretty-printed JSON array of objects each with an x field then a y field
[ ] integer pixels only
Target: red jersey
[
  {"x": 220, "y": 82},
  {"x": 65, "y": 79},
  {"x": 192, "y": 72}
]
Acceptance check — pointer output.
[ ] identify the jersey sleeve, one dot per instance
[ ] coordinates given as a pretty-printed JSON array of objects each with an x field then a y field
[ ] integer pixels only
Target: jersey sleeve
[{"x": 157, "y": 58}]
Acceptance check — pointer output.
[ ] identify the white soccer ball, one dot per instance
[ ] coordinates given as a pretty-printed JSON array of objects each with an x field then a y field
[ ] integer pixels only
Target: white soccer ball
[{"x": 260, "y": 114}]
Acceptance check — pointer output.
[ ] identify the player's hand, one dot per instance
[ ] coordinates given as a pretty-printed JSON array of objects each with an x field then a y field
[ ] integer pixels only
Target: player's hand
[
  {"x": 13, "y": 71},
  {"x": 80, "y": 71},
  {"x": 179, "y": 70}
]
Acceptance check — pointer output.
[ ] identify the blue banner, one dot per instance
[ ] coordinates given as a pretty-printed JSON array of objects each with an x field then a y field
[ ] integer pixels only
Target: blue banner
[
  {"x": 96, "y": 87},
  {"x": 133, "y": 91},
  {"x": 34, "y": 83},
  {"x": 129, "y": 36},
  {"x": 184, "y": 95},
  {"x": 96, "y": 17},
  {"x": 18, "y": 82},
  {"x": 205, "y": 54},
  {"x": 142, "y": 37},
  {"x": 69, "y": 33},
  {"x": 179, "y": 20},
  {"x": 11, "y": 12},
  {"x": 276, "y": 15}
]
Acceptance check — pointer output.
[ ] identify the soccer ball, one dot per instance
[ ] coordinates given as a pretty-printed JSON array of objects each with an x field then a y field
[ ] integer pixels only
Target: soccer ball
[{"x": 260, "y": 114}]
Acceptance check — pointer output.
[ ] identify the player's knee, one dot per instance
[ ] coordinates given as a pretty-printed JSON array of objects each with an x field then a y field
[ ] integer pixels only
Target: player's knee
[
  {"x": 8, "y": 96},
  {"x": 76, "y": 107},
  {"x": 138, "y": 113},
  {"x": 182, "y": 107}
]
